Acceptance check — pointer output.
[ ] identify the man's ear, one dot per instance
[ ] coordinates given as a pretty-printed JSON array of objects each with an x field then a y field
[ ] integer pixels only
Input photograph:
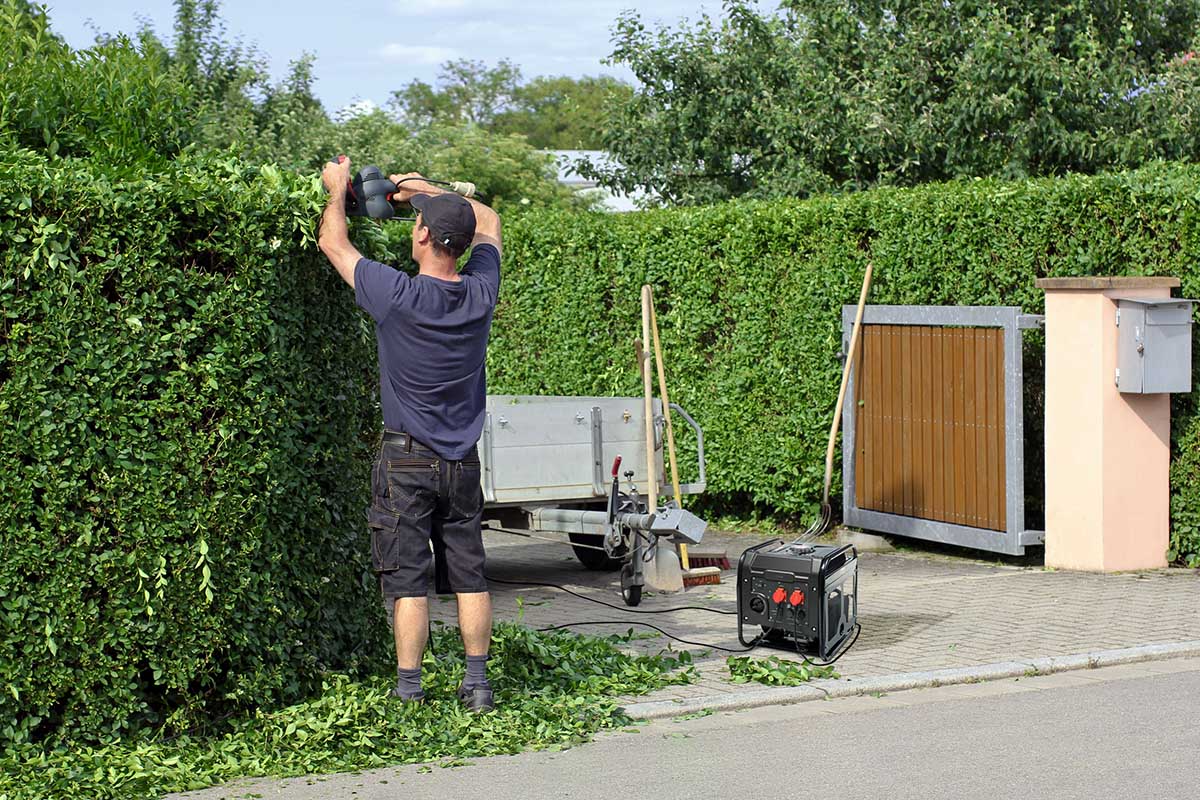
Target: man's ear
[{"x": 421, "y": 235}]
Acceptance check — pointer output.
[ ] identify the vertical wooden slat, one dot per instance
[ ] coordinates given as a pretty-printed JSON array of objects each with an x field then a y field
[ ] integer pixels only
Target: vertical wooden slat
[
  {"x": 884, "y": 463},
  {"x": 947, "y": 444},
  {"x": 930, "y": 393},
  {"x": 885, "y": 421},
  {"x": 983, "y": 396},
  {"x": 906, "y": 417},
  {"x": 900, "y": 479},
  {"x": 978, "y": 511},
  {"x": 877, "y": 464},
  {"x": 948, "y": 465},
  {"x": 993, "y": 408},
  {"x": 871, "y": 358},
  {"x": 860, "y": 421},
  {"x": 935, "y": 423},
  {"x": 895, "y": 488},
  {"x": 982, "y": 490},
  {"x": 862, "y": 413},
  {"x": 963, "y": 476},
  {"x": 923, "y": 425},
  {"x": 973, "y": 417},
  {"x": 949, "y": 395},
  {"x": 973, "y": 421}
]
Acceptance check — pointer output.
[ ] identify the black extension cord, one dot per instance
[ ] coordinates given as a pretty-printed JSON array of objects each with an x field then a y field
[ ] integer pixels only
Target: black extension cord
[{"x": 755, "y": 643}]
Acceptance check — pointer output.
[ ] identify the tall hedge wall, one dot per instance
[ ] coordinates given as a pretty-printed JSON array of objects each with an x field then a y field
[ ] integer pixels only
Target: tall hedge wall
[
  {"x": 749, "y": 298},
  {"x": 187, "y": 404},
  {"x": 182, "y": 417}
]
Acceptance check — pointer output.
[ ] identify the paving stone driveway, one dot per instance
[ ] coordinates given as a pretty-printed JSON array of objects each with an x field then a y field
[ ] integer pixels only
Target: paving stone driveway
[{"x": 919, "y": 611}]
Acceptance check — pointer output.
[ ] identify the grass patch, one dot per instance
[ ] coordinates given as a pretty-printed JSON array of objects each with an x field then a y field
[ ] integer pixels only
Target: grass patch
[
  {"x": 774, "y": 671},
  {"x": 553, "y": 689}
]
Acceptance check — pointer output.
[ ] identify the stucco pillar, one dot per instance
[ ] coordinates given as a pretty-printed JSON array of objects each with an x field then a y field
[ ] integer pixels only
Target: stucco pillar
[{"x": 1107, "y": 453}]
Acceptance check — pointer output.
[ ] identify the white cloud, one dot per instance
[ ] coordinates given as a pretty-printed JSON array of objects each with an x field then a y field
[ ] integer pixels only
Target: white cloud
[
  {"x": 416, "y": 53},
  {"x": 427, "y": 8}
]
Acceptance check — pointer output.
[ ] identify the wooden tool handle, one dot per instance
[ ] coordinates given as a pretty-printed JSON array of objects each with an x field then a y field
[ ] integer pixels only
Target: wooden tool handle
[
  {"x": 837, "y": 411},
  {"x": 666, "y": 401},
  {"x": 648, "y": 394}
]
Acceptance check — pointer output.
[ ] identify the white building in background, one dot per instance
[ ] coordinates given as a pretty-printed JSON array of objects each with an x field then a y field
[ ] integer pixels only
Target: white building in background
[{"x": 565, "y": 160}]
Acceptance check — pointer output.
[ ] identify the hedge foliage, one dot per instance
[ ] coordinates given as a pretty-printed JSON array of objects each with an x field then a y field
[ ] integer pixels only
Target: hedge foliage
[
  {"x": 187, "y": 405},
  {"x": 749, "y": 298},
  {"x": 183, "y": 428}
]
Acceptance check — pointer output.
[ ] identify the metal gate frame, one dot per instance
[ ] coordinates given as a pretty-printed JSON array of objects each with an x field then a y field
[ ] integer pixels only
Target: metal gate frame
[{"x": 1015, "y": 538}]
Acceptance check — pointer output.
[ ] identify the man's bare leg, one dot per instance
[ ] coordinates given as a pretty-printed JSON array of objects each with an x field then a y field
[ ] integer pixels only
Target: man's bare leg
[
  {"x": 475, "y": 622},
  {"x": 411, "y": 630}
]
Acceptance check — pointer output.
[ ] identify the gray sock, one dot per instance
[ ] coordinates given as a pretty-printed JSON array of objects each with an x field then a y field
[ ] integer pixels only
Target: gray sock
[
  {"x": 408, "y": 683},
  {"x": 476, "y": 673}
]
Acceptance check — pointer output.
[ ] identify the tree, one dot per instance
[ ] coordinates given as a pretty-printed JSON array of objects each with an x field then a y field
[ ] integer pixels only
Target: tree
[
  {"x": 829, "y": 96},
  {"x": 469, "y": 92},
  {"x": 553, "y": 113},
  {"x": 562, "y": 113}
]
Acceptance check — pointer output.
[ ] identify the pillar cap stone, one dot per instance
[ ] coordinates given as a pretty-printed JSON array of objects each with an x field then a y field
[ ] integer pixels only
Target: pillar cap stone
[{"x": 1108, "y": 282}]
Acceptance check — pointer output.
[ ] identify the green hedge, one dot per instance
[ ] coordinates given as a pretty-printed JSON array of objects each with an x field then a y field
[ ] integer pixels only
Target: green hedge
[
  {"x": 185, "y": 410},
  {"x": 187, "y": 404},
  {"x": 749, "y": 298}
]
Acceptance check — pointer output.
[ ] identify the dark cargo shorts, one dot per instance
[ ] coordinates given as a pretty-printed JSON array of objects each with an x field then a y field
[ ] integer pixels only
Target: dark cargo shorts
[{"x": 419, "y": 499}]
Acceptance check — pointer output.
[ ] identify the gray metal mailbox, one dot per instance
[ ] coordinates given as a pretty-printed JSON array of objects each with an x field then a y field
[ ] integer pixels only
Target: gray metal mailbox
[{"x": 1154, "y": 345}]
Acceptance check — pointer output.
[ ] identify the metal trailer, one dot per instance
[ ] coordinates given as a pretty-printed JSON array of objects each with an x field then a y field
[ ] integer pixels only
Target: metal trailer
[{"x": 549, "y": 470}]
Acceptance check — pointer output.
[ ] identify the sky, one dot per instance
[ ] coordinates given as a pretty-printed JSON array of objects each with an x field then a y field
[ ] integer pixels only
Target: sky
[{"x": 366, "y": 50}]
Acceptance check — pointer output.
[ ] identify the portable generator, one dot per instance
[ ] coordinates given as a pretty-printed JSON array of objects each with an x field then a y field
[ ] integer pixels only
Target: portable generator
[{"x": 801, "y": 595}]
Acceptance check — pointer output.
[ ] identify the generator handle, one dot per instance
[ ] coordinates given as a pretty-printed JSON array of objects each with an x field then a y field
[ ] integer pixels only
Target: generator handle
[
  {"x": 838, "y": 559},
  {"x": 700, "y": 485}
]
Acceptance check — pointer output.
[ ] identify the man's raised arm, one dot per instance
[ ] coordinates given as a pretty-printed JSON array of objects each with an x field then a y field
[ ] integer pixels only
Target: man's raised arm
[{"x": 334, "y": 236}]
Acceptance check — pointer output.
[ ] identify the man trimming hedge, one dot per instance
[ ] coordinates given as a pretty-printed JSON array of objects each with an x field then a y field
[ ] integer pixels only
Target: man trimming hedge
[{"x": 432, "y": 333}]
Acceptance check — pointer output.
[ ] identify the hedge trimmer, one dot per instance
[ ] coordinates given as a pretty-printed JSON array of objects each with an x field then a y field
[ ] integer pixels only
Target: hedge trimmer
[{"x": 369, "y": 193}]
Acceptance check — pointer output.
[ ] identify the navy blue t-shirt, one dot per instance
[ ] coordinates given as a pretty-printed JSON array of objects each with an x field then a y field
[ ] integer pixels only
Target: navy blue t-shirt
[{"x": 432, "y": 337}]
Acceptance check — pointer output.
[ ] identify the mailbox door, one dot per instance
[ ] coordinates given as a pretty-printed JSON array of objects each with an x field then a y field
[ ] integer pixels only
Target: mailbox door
[{"x": 1168, "y": 363}]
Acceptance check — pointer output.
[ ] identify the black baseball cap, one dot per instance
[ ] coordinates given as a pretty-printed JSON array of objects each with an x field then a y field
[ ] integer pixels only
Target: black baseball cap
[{"x": 448, "y": 216}]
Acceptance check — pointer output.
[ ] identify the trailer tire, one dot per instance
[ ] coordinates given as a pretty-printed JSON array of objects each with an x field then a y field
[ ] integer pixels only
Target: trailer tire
[{"x": 597, "y": 560}]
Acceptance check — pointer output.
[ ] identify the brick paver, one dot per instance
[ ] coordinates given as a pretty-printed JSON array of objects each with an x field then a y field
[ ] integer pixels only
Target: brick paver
[{"x": 918, "y": 611}]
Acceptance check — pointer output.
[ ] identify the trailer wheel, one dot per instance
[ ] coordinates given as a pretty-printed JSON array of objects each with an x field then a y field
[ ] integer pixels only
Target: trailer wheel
[
  {"x": 632, "y": 595},
  {"x": 593, "y": 559}
]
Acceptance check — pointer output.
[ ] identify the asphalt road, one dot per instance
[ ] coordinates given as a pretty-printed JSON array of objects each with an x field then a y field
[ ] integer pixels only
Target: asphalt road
[{"x": 1121, "y": 732}]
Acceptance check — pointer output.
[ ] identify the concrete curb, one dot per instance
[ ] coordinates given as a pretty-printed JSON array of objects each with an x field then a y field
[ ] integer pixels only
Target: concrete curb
[{"x": 829, "y": 689}]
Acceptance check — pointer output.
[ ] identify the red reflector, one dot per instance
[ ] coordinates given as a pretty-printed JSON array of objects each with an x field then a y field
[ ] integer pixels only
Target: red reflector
[
  {"x": 780, "y": 595},
  {"x": 797, "y": 598}
]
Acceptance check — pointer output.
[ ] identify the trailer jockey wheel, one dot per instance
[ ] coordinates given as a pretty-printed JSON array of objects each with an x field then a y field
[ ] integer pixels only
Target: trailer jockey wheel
[
  {"x": 631, "y": 589},
  {"x": 591, "y": 558}
]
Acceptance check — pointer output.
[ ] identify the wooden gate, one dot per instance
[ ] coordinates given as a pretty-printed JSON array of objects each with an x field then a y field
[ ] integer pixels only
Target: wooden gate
[{"x": 933, "y": 435}]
